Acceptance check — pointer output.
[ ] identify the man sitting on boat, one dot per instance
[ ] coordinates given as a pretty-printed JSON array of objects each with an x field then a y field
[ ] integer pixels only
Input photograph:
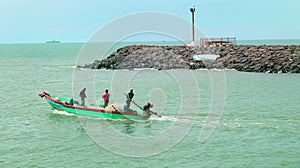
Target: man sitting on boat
[{"x": 147, "y": 107}]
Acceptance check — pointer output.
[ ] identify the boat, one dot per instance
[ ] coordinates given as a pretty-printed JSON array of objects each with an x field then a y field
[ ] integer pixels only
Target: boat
[
  {"x": 53, "y": 41},
  {"x": 65, "y": 105}
]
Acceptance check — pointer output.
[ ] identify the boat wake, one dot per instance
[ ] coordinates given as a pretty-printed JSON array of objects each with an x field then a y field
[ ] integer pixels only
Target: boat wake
[
  {"x": 152, "y": 118},
  {"x": 62, "y": 113},
  {"x": 170, "y": 118}
]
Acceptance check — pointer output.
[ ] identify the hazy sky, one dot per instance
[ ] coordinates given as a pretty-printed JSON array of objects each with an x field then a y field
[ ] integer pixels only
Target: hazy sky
[{"x": 76, "y": 20}]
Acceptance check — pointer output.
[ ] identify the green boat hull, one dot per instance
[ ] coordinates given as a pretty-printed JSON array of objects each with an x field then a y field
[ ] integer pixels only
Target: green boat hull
[{"x": 60, "y": 104}]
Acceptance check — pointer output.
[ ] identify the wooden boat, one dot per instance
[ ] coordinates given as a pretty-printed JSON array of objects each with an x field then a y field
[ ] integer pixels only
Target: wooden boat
[{"x": 63, "y": 104}]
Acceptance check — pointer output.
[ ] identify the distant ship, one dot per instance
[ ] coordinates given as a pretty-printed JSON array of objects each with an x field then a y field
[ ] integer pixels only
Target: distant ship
[{"x": 53, "y": 41}]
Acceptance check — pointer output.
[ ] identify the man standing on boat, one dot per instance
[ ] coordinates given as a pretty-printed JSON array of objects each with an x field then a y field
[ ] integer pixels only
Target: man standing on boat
[
  {"x": 105, "y": 97},
  {"x": 82, "y": 95},
  {"x": 129, "y": 98},
  {"x": 130, "y": 94}
]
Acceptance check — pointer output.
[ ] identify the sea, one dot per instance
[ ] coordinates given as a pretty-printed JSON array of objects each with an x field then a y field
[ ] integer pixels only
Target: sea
[{"x": 210, "y": 118}]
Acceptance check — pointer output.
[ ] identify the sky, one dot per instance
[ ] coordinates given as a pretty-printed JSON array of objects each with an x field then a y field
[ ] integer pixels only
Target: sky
[{"x": 35, "y": 21}]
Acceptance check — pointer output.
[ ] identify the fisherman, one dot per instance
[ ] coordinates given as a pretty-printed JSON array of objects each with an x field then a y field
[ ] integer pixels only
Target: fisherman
[
  {"x": 126, "y": 106},
  {"x": 131, "y": 94},
  {"x": 105, "y": 97},
  {"x": 72, "y": 102},
  {"x": 129, "y": 98},
  {"x": 82, "y": 95},
  {"x": 147, "y": 107}
]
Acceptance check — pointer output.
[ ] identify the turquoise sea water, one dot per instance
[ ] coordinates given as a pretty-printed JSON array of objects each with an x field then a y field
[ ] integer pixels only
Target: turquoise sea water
[{"x": 259, "y": 126}]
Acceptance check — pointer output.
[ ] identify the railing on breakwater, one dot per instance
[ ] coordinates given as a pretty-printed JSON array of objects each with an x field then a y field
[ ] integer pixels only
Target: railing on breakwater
[{"x": 217, "y": 41}]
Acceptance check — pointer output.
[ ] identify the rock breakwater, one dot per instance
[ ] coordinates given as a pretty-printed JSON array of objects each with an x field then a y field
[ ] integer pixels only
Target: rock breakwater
[{"x": 265, "y": 59}]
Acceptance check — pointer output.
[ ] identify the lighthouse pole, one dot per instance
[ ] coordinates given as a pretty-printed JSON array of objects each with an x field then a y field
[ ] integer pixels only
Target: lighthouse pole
[{"x": 193, "y": 22}]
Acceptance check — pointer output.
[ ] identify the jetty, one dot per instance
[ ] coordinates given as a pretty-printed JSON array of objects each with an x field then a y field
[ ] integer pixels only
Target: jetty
[{"x": 246, "y": 58}]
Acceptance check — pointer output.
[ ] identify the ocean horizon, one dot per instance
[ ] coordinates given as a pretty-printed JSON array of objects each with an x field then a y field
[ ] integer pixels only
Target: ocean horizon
[{"x": 238, "y": 42}]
